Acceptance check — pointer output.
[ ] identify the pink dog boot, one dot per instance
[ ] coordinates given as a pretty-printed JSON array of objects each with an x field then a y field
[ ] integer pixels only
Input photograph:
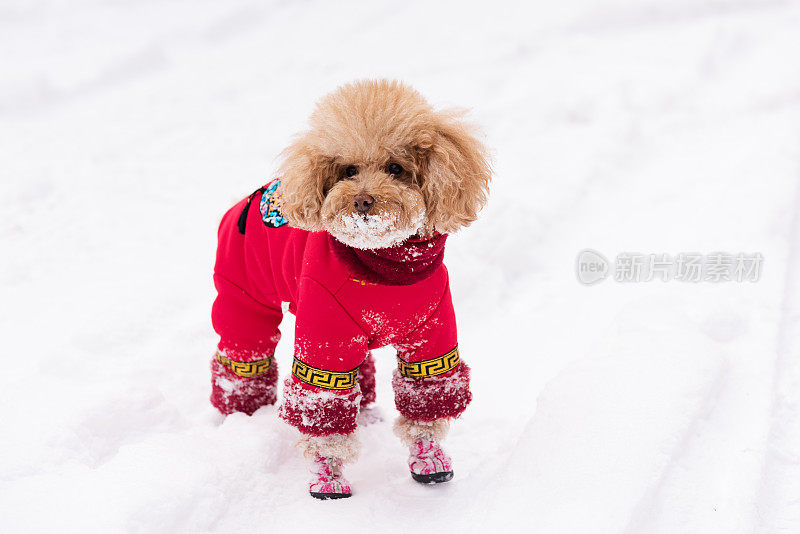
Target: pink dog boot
[
  {"x": 428, "y": 462},
  {"x": 327, "y": 481}
]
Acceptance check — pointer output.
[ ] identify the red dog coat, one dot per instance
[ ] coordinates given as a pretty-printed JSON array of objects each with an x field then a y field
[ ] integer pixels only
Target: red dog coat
[{"x": 346, "y": 301}]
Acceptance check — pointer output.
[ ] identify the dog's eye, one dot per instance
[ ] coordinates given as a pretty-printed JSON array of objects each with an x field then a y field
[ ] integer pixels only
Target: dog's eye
[
  {"x": 350, "y": 171},
  {"x": 394, "y": 168}
]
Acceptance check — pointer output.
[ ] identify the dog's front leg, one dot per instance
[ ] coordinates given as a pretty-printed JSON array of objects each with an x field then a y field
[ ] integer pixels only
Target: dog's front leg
[
  {"x": 322, "y": 398},
  {"x": 327, "y": 420},
  {"x": 431, "y": 388},
  {"x": 427, "y": 406}
]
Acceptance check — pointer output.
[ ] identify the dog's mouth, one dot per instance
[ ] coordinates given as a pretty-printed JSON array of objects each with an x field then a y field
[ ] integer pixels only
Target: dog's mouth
[
  {"x": 389, "y": 219},
  {"x": 370, "y": 231},
  {"x": 382, "y": 229}
]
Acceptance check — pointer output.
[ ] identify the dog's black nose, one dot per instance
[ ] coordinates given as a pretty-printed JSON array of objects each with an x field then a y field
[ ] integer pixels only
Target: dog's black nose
[{"x": 363, "y": 203}]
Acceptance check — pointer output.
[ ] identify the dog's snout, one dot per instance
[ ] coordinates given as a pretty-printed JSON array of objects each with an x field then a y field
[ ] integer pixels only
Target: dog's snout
[{"x": 363, "y": 203}]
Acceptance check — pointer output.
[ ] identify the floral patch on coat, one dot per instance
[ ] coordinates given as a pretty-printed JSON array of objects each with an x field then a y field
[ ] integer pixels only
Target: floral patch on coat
[{"x": 271, "y": 206}]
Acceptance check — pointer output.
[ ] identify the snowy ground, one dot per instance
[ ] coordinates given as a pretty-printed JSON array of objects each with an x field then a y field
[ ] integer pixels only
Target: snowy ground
[{"x": 127, "y": 128}]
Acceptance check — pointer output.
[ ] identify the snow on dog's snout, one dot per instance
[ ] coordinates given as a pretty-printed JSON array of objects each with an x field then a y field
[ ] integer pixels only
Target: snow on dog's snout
[{"x": 372, "y": 231}]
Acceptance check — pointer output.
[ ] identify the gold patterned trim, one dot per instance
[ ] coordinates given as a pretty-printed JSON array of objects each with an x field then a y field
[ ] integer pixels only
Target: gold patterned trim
[
  {"x": 433, "y": 367},
  {"x": 246, "y": 369},
  {"x": 362, "y": 282},
  {"x": 324, "y": 379}
]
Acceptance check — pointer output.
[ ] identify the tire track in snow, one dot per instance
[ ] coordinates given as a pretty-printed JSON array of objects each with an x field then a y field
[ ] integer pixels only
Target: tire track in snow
[
  {"x": 713, "y": 472},
  {"x": 643, "y": 518},
  {"x": 778, "y": 502},
  {"x": 714, "y": 477}
]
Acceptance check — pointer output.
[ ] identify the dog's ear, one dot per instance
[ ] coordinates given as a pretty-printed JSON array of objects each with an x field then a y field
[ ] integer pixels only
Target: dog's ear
[
  {"x": 455, "y": 173},
  {"x": 305, "y": 174}
]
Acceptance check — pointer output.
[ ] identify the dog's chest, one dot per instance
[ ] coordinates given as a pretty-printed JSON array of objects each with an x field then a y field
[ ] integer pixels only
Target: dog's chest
[{"x": 388, "y": 314}]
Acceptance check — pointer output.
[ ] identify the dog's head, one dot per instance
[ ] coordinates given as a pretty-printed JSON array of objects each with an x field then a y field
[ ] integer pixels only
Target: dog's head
[{"x": 379, "y": 165}]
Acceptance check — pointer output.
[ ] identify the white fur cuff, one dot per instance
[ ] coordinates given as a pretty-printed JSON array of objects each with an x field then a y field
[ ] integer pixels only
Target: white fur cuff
[
  {"x": 410, "y": 431},
  {"x": 344, "y": 447}
]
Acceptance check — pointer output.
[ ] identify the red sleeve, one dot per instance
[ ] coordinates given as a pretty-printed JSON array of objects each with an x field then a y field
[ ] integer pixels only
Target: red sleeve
[
  {"x": 435, "y": 337},
  {"x": 431, "y": 382},
  {"x": 326, "y": 337},
  {"x": 322, "y": 396}
]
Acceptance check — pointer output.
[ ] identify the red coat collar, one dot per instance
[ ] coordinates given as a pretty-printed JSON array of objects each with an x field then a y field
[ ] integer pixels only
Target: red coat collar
[{"x": 410, "y": 262}]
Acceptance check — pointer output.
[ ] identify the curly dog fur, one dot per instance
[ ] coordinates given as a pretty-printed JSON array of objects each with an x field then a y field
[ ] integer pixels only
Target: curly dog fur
[{"x": 370, "y": 125}]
